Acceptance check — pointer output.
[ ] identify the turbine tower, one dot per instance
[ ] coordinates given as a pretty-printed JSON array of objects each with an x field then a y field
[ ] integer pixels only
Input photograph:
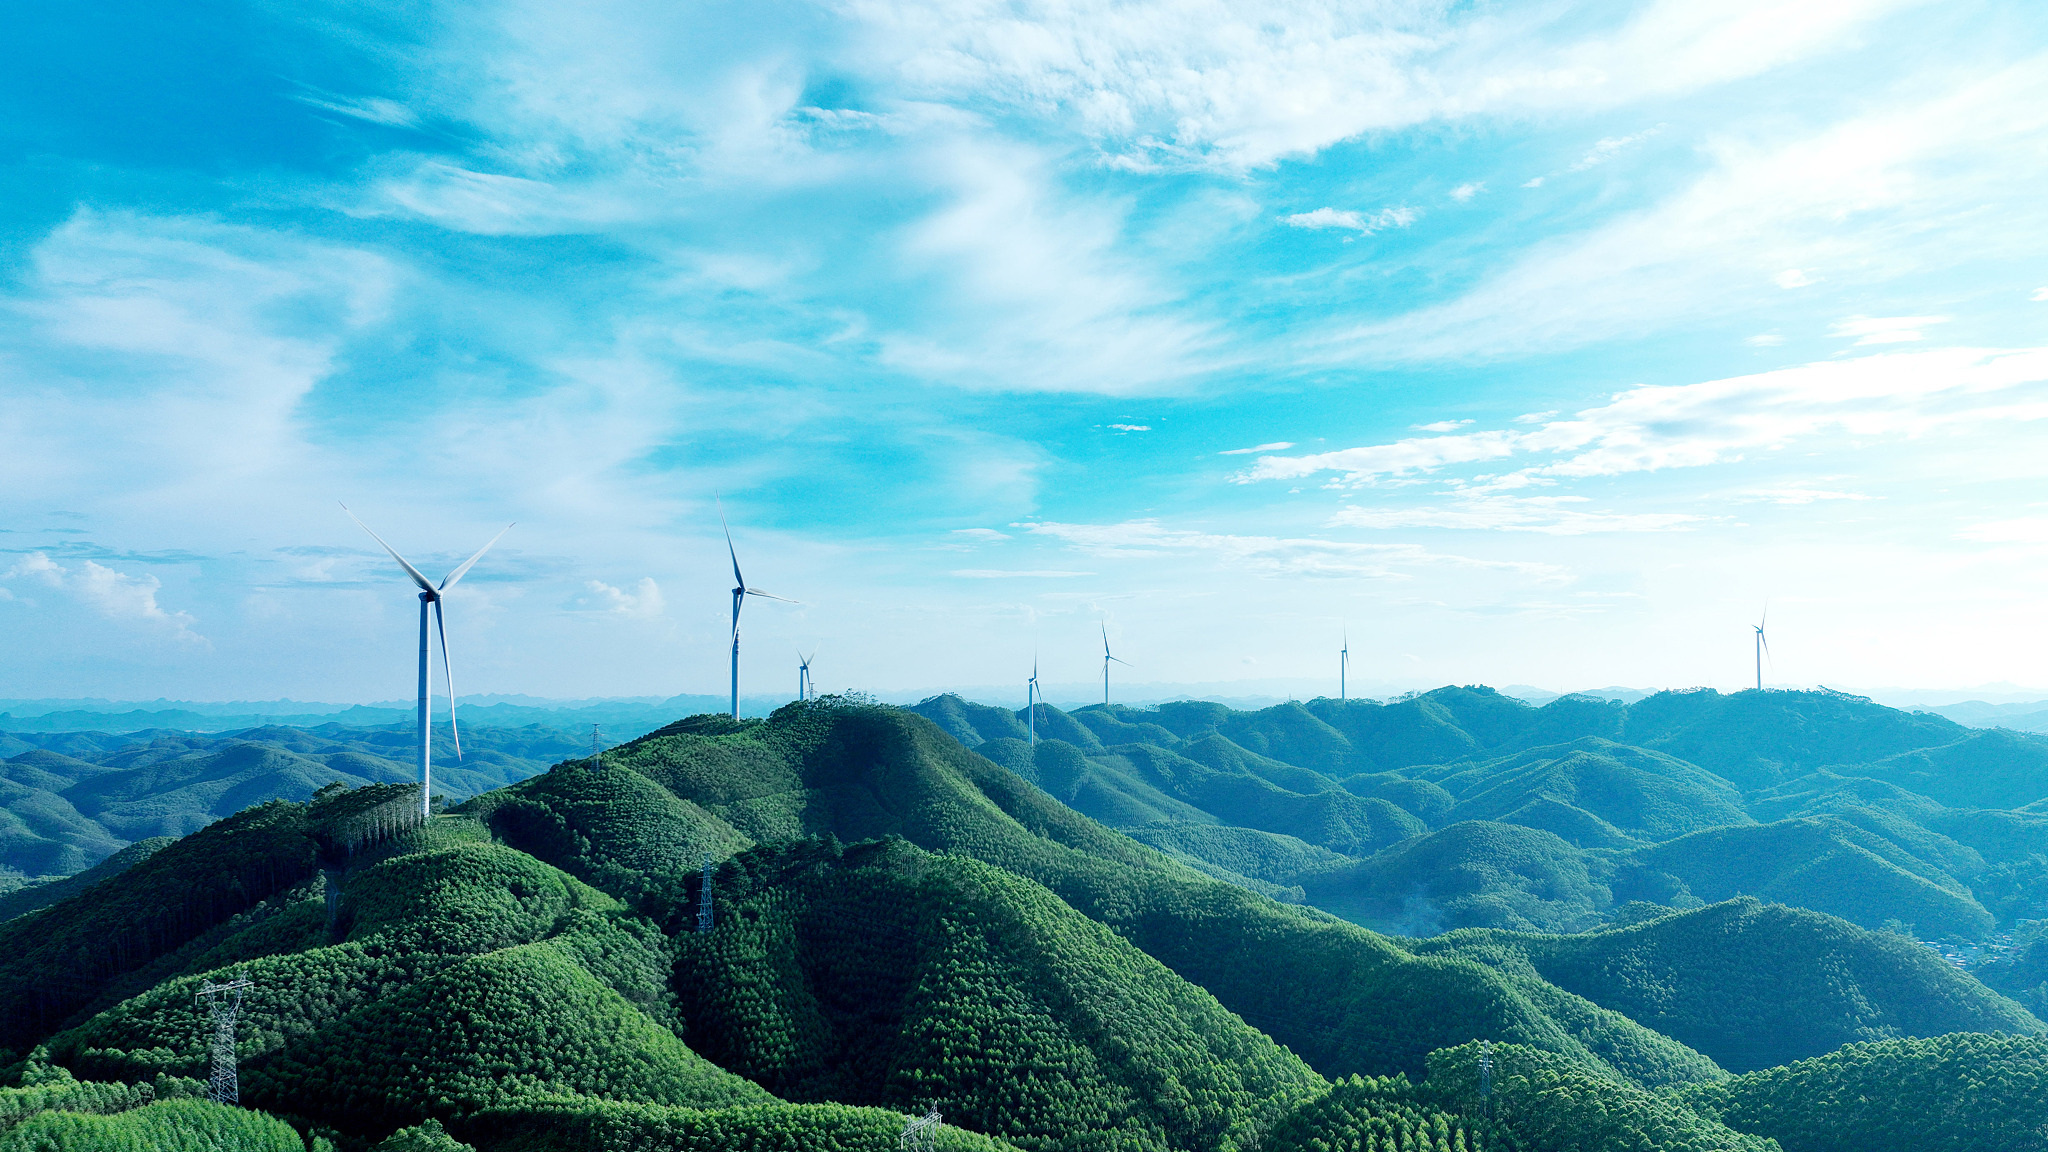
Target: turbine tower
[
  {"x": 805, "y": 690},
  {"x": 1763, "y": 647},
  {"x": 430, "y": 598},
  {"x": 1106, "y": 658},
  {"x": 1343, "y": 664},
  {"x": 740, "y": 592}
]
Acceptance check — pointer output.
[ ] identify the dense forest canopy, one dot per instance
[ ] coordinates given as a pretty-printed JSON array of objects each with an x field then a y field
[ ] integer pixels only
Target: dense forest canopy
[{"x": 901, "y": 923}]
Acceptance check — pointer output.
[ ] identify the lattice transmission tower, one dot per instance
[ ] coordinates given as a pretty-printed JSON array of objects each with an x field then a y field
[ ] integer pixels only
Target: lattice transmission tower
[
  {"x": 917, "y": 1135},
  {"x": 704, "y": 899},
  {"x": 1486, "y": 1077},
  {"x": 223, "y": 1005}
]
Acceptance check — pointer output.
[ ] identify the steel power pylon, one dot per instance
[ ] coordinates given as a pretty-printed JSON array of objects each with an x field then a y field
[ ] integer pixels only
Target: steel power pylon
[
  {"x": 704, "y": 899},
  {"x": 223, "y": 1004},
  {"x": 917, "y": 1135}
]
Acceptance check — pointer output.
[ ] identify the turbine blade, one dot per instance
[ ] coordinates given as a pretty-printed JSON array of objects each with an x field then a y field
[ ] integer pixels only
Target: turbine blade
[
  {"x": 738, "y": 581},
  {"x": 464, "y": 566},
  {"x": 737, "y": 600},
  {"x": 448, "y": 677},
  {"x": 769, "y": 596},
  {"x": 417, "y": 577},
  {"x": 1125, "y": 663}
]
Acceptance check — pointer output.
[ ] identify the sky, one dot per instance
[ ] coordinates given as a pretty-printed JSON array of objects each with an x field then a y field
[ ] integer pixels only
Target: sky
[{"x": 1548, "y": 343}]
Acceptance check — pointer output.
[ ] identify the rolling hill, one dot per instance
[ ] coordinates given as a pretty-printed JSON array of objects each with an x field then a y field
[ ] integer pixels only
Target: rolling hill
[
  {"x": 1815, "y": 799},
  {"x": 899, "y": 923}
]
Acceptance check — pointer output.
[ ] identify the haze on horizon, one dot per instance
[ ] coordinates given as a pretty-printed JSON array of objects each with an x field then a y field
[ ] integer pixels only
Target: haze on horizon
[{"x": 1535, "y": 343}]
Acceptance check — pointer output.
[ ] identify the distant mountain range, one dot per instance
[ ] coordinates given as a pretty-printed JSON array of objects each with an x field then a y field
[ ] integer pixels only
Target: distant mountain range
[
  {"x": 622, "y": 719},
  {"x": 1464, "y": 807}
]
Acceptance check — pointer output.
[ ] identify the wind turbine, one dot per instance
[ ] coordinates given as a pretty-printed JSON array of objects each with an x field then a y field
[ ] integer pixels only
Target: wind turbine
[
  {"x": 430, "y": 597},
  {"x": 1106, "y": 658},
  {"x": 1343, "y": 664},
  {"x": 740, "y": 592},
  {"x": 1763, "y": 646},
  {"x": 1031, "y": 701},
  {"x": 804, "y": 689}
]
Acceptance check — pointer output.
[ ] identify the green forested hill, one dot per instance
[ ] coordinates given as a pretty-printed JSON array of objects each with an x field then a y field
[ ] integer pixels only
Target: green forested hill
[
  {"x": 1344, "y": 999},
  {"x": 1753, "y": 985},
  {"x": 888, "y": 975},
  {"x": 900, "y": 923},
  {"x": 65, "y": 808},
  {"x": 1815, "y": 799},
  {"x": 1962, "y": 1093}
]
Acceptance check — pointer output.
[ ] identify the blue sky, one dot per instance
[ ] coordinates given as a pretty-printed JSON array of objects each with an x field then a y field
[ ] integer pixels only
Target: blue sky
[{"x": 1527, "y": 342}]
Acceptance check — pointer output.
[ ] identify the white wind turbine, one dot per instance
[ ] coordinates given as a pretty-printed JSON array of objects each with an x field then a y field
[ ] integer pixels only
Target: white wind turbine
[
  {"x": 430, "y": 597},
  {"x": 740, "y": 592},
  {"x": 1763, "y": 646},
  {"x": 1106, "y": 658},
  {"x": 804, "y": 688},
  {"x": 1343, "y": 664},
  {"x": 1031, "y": 701}
]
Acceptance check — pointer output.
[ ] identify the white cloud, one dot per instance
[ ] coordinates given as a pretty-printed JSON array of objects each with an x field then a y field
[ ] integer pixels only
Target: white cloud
[
  {"x": 1001, "y": 574},
  {"x": 1885, "y": 329},
  {"x": 1275, "y": 446},
  {"x": 1465, "y": 192},
  {"x": 1881, "y": 193},
  {"x": 1607, "y": 148},
  {"x": 1654, "y": 427},
  {"x": 1764, "y": 340},
  {"x": 1441, "y": 426},
  {"x": 1533, "y": 182},
  {"x": 1550, "y": 515},
  {"x": 1798, "y": 495},
  {"x": 1358, "y": 222},
  {"x": 1359, "y": 465},
  {"x": 1272, "y": 555},
  {"x": 1236, "y": 84},
  {"x": 375, "y": 109},
  {"x": 1132, "y": 427},
  {"x": 2040, "y": 295},
  {"x": 1794, "y": 278},
  {"x": 981, "y": 533},
  {"x": 114, "y": 595},
  {"x": 2026, "y": 530},
  {"x": 643, "y": 601}
]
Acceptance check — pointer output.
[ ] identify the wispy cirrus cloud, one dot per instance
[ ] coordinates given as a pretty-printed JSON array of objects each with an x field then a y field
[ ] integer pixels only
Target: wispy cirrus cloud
[
  {"x": 1499, "y": 512},
  {"x": 1273, "y": 555},
  {"x": 1655, "y": 427}
]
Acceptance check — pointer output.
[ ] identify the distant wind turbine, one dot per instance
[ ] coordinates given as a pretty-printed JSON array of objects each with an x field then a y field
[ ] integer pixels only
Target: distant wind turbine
[
  {"x": 740, "y": 592},
  {"x": 804, "y": 688},
  {"x": 1343, "y": 664},
  {"x": 430, "y": 597},
  {"x": 1031, "y": 701},
  {"x": 1763, "y": 646},
  {"x": 1106, "y": 658}
]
